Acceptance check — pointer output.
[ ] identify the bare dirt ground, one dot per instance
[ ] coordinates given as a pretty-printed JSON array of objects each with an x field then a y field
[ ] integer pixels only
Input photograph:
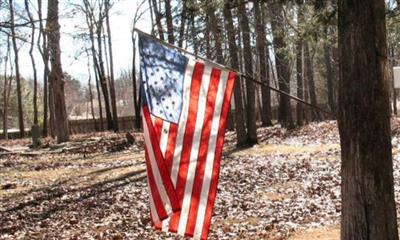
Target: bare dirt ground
[{"x": 287, "y": 187}]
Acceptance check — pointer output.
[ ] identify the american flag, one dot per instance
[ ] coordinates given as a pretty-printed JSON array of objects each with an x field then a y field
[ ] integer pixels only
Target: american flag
[{"x": 185, "y": 107}]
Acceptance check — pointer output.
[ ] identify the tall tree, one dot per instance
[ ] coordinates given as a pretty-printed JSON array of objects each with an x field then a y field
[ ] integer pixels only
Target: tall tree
[
  {"x": 282, "y": 63},
  {"x": 299, "y": 67},
  {"x": 5, "y": 91},
  {"x": 136, "y": 96},
  {"x": 90, "y": 92},
  {"x": 56, "y": 73},
  {"x": 329, "y": 73},
  {"x": 168, "y": 17},
  {"x": 101, "y": 69},
  {"x": 89, "y": 15},
  {"x": 31, "y": 20},
  {"x": 309, "y": 76},
  {"x": 45, "y": 57},
  {"x": 248, "y": 65},
  {"x": 17, "y": 74},
  {"x": 158, "y": 17},
  {"x": 262, "y": 50},
  {"x": 112, "y": 84},
  {"x": 183, "y": 23},
  {"x": 368, "y": 206},
  {"x": 233, "y": 52}
]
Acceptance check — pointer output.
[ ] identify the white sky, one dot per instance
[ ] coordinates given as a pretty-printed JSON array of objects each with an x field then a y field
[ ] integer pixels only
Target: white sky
[{"x": 121, "y": 17}]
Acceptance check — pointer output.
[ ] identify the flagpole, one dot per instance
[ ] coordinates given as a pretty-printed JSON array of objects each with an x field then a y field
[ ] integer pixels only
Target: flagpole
[{"x": 247, "y": 77}]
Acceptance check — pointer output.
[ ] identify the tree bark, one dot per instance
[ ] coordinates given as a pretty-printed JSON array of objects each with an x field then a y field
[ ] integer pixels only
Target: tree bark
[
  {"x": 112, "y": 82},
  {"x": 368, "y": 206},
  {"x": 193, "y": 33},
  {"x": 168, "y": 17},
  {"x": 282, "y": 64},
  {"x": 250, "y": 88},
  {"x": 233, "y": 52},
  {"x": 56, "y": 73},
  {"x": 262, "y": 49},
  {"x": 183, "y": 23},
  {"x": 17, "y": 74}
]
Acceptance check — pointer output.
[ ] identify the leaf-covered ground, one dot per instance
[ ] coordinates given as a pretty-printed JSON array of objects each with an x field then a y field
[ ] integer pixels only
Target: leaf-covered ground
[{"x": 287, "y": 187}]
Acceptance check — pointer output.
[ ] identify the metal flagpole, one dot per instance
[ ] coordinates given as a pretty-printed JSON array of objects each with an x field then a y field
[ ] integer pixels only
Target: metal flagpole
[{"x": 247, "y": 77}]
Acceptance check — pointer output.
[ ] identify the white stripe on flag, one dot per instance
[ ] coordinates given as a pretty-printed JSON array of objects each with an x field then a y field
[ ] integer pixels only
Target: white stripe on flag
[
  {"x": 182, "y": 120},
  {"x": 210, "y": 155},
  {"x": 153, "y": 210},
  {"x": 164, "y": 137},
  {"x": 194, "y": 152},
  {"x": 155, "y": 170}
]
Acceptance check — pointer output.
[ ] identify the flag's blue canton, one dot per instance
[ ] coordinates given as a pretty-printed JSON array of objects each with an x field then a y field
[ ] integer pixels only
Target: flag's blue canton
[{"x": 162, "y": 72}]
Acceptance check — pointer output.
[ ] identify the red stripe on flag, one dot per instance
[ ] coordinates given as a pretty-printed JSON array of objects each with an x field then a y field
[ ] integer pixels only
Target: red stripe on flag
[
  {"x": 154, "y": 192},
  {"x": 201, "y": 161},
  {"x": 187, "y": 140},
  {"x": 218, "y": 153},
  {"x": 160, "y": 163},
  {"x": 169, "y": 154},
  {"x": 158, "y": 124}
]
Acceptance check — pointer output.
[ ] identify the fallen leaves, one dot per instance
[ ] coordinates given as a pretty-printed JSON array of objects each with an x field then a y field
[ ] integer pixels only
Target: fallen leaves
[{"x": 100, "y": 192}]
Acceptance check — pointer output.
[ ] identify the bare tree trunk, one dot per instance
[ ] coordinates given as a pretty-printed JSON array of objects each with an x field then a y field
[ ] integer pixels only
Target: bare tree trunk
[
  {"x": 299, "y": 69},
  {"x": 56, "y": 73},
  {"x": 157, "y": 14},
  {"x": 112, "y": 82},
  {"x": 168, "y": 17},
  {"x": 102, "y": 76},
  {"x": 368, "y": 204},
  {"x": 183, "y": 23},
  {"x": 35, "y": 109},
  {"x": 233, "y": 51},
  {"x": 193, "y": 33},
  {"x": 329, "y": 74},
  {"x": 250, "y": 88},
  {"x": 262, "y": 50},
  {"x": 136, "y": 102},
  {"x": 17, "y": 75},
  {"x": 96, "y": 74},
  {"x": 45, "y": 56},
  {"x": 5, "y": 97},
  {"x": 90, "y": 24},
  {"x": 151, "y": 17},
  {"x": 282, "y": 64},
  {"x": 91, "y": 102},
  {"x": 309, "y": 73},
  {"x": 90, "y": 92},
  {"x": 299, "y": 79}
]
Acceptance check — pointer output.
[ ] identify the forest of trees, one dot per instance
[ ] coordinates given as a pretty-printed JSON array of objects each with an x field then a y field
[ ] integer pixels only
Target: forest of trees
[{"x": 290, "y": 45}]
